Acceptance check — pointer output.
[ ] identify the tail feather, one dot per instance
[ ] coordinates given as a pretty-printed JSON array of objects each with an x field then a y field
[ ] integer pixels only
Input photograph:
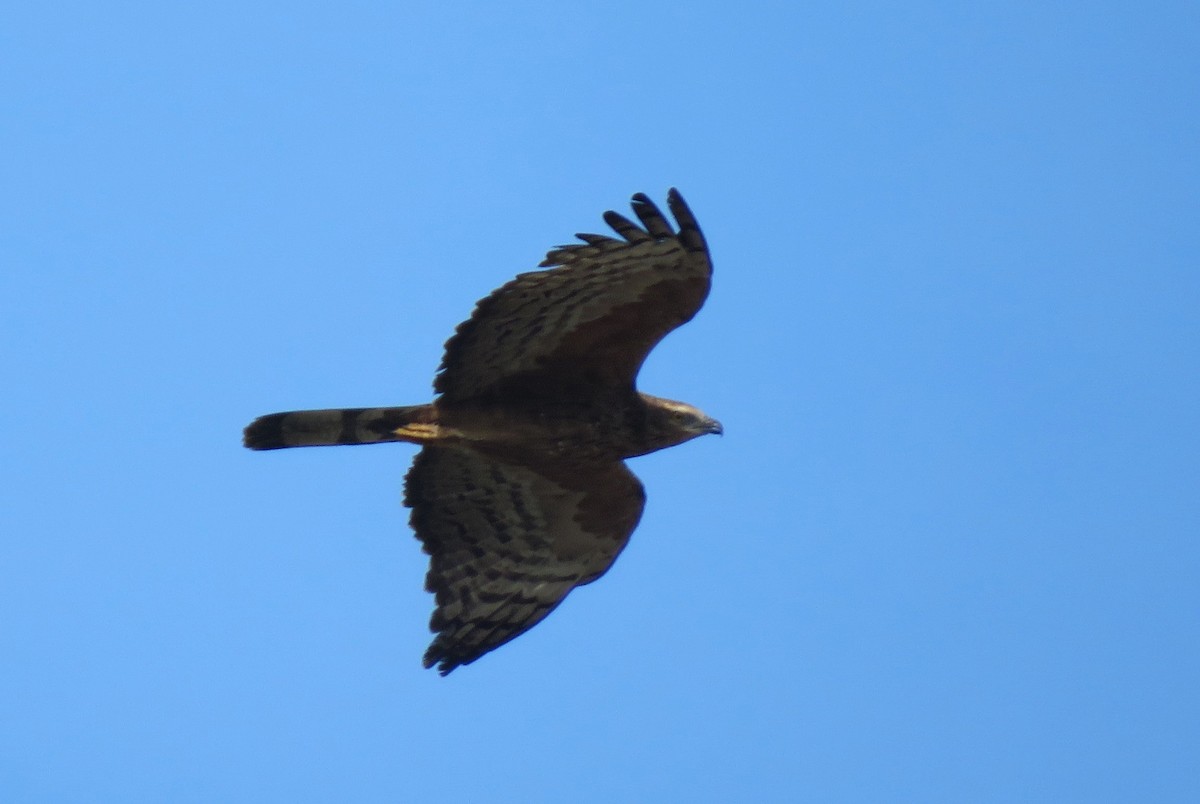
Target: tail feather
[{"x": 318, "y": 428}]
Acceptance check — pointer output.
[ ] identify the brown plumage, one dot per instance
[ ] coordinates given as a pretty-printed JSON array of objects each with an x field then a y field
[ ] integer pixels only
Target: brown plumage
[{"x": 520, "y": 492}]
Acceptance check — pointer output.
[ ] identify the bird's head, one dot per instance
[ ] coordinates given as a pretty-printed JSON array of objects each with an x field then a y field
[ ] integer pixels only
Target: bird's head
[{"x": 669, "y": 422}]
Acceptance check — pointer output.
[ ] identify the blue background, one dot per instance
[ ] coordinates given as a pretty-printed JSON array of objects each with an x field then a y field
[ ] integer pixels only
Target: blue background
[{"x": 947, "y": 550}]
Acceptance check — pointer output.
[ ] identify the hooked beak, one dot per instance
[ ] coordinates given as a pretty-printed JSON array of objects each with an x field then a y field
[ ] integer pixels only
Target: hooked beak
[{"x": 714, "y": 427}]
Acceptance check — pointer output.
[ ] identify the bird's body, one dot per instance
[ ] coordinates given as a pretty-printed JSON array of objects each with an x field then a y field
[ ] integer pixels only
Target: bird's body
[
  {"x": 613, "y": 427},
  {"x": 520, "y": 492}
]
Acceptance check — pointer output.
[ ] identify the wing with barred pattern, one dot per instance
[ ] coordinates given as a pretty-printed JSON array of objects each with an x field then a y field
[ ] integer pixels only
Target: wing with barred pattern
[
  {"x": 589, "y": 323},
  {"x": 508, "y": 539}
]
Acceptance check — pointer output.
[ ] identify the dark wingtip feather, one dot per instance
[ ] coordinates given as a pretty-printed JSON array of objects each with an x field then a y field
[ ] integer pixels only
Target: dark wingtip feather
[
  {"x": 436, "y": 656},
  {"x": 651, "y": 217},
  {"x": 689, "y": 231},
  {"x": 625, "y": 227},
  {"x": 265, "y": 432},
  {"x": 654, "y": 226}
]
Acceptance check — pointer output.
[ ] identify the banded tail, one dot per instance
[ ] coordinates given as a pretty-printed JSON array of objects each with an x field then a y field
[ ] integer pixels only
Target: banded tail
[{"x": 320, "y": 428}]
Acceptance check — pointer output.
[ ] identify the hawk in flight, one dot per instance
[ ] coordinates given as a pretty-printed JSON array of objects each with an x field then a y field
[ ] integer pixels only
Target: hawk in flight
[{"x": 520, "y": 492}]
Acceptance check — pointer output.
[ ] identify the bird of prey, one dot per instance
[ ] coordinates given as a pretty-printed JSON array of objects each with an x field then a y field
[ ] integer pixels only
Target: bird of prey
[{"x": 520, "y": 491}]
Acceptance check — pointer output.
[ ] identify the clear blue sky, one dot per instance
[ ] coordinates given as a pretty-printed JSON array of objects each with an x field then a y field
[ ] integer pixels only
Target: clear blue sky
[{"x": 947, "y": 550}]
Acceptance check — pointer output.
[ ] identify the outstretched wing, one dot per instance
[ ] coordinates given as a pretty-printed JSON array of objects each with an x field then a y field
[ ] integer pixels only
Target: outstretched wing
[
  {"x": 589, "y": 323},
  {"x": 508, "y": 539}
]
